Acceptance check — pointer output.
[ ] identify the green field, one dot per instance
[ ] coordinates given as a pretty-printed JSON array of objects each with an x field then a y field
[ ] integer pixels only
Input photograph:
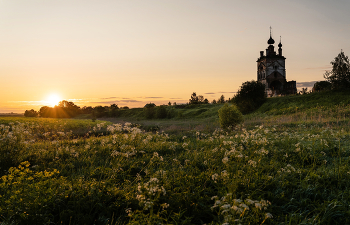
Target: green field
[{"x": 287, "y": 164}]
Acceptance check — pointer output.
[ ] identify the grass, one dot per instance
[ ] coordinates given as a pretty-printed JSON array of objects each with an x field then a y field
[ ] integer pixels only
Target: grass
[{"x": 280, "y": 167}]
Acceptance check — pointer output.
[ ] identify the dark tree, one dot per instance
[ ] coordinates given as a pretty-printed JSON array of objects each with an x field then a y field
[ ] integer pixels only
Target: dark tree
[
  {"x": 30, "y": 113},
  {"x": 87, "y": 110},
  {"x": 221, "y": 100},
  {"x": 45, "y": 111},
  {"x": 194, "y": 99},
  {"x": 206, "y": 101},
  {"x": 322, "y": 86},
  {"x": 149, "y": 110},
  {"x": 214, "y": 102},
  {"x": 250, "y": 96},
  {"x": 161, "y": 112},
  {"x": 67, "y": 109},
  {"x": 339, "y": 76},
  {"x": 114, "y": 110},
  {"x": 99, "y": 111}
]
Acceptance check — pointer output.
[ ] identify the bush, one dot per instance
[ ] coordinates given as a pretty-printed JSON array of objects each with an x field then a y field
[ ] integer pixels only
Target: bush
[
  {"x": 229, "y": 116},
  {"x": 149, "y": 110},
  {"x": 30, "y": 113},
  {"x": 161, "y": 112},
  {"x": 250, "y": 97},
  {"x": 322, "y": 86}
]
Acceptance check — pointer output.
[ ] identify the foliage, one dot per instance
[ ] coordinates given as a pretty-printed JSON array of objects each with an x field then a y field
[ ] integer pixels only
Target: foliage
[
  {"x": 339, "y": 76},
  {"x": 31, "y": 113},
  {"x": 64, "y": 109},
  {"x": 161, "y": 112},
  {"x": 221, "y": 100},
  {"x": 149, "y": 110},
  {"x": 196, "y": 99},
  {"x": 322, "y": 86},
  {"x": 229, "y": 116},
  {"x": 250, "y": 96}
]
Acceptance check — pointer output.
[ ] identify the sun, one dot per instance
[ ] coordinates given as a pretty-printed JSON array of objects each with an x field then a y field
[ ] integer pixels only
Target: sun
[{"x": 53, "y": 100}]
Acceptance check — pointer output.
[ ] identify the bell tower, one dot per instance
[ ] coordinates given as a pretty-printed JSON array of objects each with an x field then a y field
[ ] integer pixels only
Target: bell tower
[{"x": 271, "y": 69}]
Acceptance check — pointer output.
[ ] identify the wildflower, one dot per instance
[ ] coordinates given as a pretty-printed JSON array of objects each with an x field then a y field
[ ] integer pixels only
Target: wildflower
[
  {"x": 225, "y": 160},
  {"x": 268, "y": 215},
  {"x": 215, "y": 176},
  {"x": 252, "y": 163},
  {"x": 164, "y": 205}
]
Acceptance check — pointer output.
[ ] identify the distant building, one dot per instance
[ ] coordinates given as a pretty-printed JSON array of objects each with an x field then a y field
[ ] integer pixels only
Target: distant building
[{"x": 272, "y": 71}]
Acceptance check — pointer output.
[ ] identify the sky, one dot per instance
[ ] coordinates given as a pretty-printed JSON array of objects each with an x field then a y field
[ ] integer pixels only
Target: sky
[{"x": 138, "y": 51}]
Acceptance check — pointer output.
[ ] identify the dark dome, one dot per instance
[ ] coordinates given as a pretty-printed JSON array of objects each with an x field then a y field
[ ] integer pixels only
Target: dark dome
[{"x": 271, "y": 41}]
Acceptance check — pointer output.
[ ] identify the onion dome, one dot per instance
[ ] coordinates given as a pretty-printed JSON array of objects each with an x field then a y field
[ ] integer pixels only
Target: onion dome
[
  {"x": 280, "y": 44},
  {"x": 271, "y": 41}
]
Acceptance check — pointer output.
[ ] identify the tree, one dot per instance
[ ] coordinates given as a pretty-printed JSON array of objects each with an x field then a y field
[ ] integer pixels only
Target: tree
[
  {"x": 45, "y": 111},
  {"x": 221, "y": 100},
  {"x": 30, "y": 113},
  {"x": 67, "y": 109},
  {"x": 339, "y": 76},
  {"x": 193, "y": 99},
  {"x": 114, "y": 110},
  {"x": 303, "y": 91},
  {"x": 229, "y": 116},
  {"x": 213, "y": 102},
  {"x": 161, "y": 112},
  {"x": 149, "y": 110},
  {"x": 250, "y": 96},
  {"x": 99, "y": 111},
  {"x": 322, "y": 86}
]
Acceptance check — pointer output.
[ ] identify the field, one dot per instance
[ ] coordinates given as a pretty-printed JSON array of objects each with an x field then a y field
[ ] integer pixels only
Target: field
[{"x": 287, "y": 164}]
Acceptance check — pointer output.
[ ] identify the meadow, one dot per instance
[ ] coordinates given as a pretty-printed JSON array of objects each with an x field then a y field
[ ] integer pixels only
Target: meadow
[{"x": 286, "y": 164}]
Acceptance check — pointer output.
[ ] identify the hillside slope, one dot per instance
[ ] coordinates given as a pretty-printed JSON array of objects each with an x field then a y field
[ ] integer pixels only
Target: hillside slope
[{"x": 312, "y": 101}]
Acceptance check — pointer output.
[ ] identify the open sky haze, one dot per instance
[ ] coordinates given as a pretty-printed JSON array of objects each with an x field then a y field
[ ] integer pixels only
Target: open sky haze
[{"x": 138, "y": 51}]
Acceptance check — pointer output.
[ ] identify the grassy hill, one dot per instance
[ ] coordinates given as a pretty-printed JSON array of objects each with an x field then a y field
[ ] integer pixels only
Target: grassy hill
[{"x": 312, "y": 101}]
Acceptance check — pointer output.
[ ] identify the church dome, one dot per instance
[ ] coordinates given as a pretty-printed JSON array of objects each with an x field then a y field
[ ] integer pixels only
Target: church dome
[
  {"x": 280, "y": 45},
  {"x": 271, "y": 41}
]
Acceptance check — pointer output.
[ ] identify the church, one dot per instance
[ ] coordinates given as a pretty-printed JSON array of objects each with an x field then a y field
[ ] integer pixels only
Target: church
[{"x": 272, "y": 71}]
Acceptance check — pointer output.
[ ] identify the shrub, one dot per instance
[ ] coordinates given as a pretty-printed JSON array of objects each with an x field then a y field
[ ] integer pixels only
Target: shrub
[
  {"x": 161, "y": 112},
  {"x": 229, "y": 116},
  {"x": 30, "y": 113},
  {"x": 149, "y": 110},
  {"x": 322, "y": 86},
  {"x": 250, "y": 97}
]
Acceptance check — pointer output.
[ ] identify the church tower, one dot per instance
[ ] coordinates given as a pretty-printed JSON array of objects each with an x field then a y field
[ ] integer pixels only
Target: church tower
[{"x": 272, "y": 70}]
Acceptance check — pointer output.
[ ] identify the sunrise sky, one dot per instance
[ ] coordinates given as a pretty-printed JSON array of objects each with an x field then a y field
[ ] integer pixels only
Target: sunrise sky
[{"x": 137, "y": 51}]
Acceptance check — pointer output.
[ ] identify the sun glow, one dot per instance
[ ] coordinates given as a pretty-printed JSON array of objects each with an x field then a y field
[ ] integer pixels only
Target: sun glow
[{"x": 53, "y": 100}]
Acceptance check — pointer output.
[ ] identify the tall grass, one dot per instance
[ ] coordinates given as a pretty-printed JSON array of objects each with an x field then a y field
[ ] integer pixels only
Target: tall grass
[{"x": 268, "y": 174}]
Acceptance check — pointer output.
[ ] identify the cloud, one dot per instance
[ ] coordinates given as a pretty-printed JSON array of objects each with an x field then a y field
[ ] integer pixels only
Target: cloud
[
  {"x": 115, "y": 102},
  {"x": 227, "y": 92},
  {"x": 306, "y": 84},
  {"x": 130, "y": 100},
  {"x": 320, "y": 68},
  {"x": 109, "y": 98},
  {"x": 177, "y": 98},
  {"x": 153, "y": 97},
  {"x": 209, "y": 93}
]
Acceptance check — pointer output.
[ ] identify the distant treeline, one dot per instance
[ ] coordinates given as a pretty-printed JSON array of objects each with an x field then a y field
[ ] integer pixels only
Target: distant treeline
[{"x": 66, "y": 109}]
